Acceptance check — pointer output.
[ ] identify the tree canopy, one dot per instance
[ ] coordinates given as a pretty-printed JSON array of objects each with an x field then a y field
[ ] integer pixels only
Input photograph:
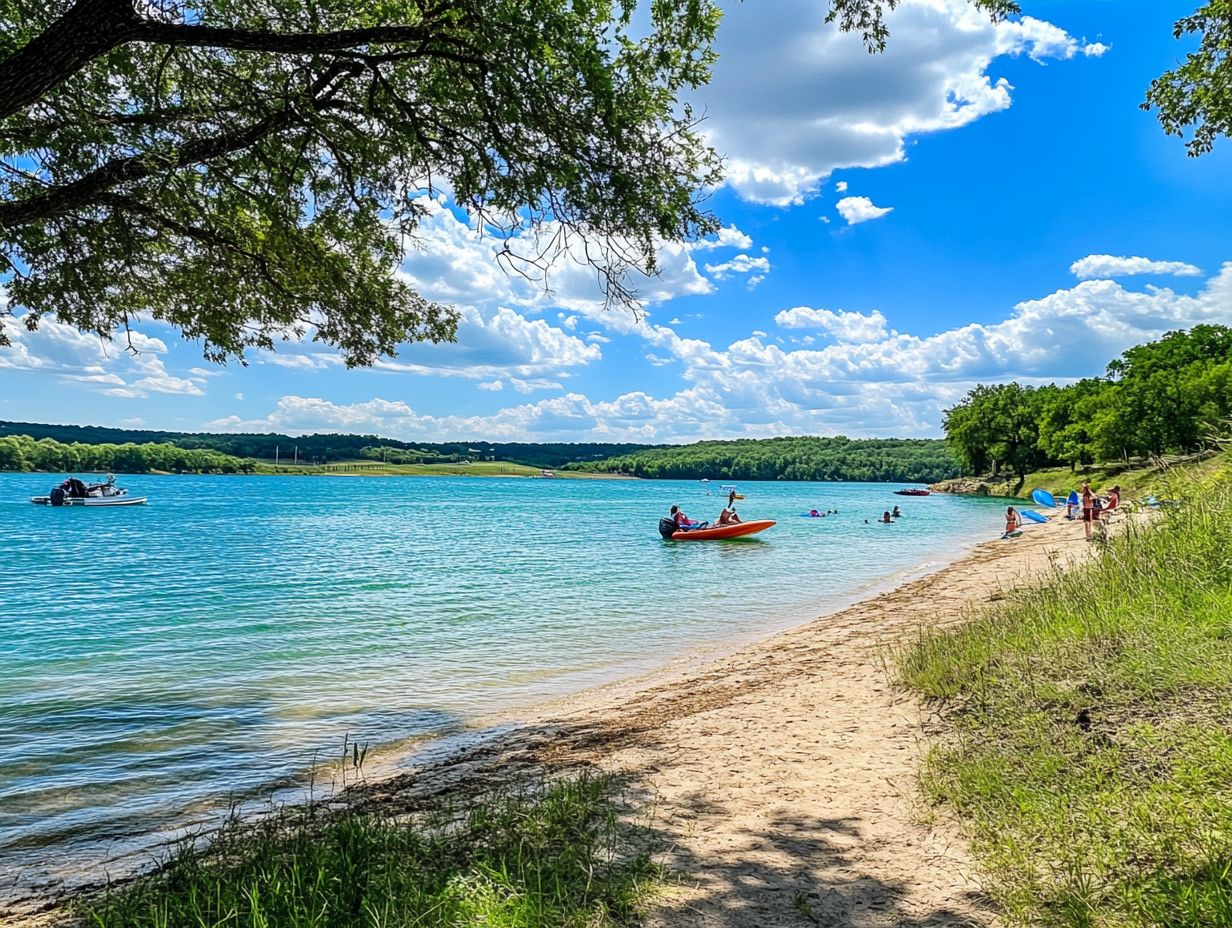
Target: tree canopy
[
  {"x": 1172, "y": 395},
  {"x": 902, "y": 460},
  {"x": 247, "y": 170}
]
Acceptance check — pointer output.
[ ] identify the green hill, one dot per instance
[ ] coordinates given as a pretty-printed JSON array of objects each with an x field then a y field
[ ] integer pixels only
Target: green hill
[{"x": 901, "y": 460}]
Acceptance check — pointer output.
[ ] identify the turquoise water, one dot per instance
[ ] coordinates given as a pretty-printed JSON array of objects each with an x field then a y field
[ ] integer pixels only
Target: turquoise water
[{"x": 157, "y": 660}]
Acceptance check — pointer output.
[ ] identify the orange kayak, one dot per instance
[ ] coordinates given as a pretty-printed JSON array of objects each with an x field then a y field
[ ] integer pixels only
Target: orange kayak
[{"x": 716, "y": 532}]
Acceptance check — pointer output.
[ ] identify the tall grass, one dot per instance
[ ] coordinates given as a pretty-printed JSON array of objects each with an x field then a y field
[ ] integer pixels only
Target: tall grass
[
  {"x": 560, "y": 856},
  {"x": 1089, "y": 750}
]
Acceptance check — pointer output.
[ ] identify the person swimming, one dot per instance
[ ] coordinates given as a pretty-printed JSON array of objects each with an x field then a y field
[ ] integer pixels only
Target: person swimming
[
  {"x": 885, "y": 518},
  {"x": 896, "y": 513}
]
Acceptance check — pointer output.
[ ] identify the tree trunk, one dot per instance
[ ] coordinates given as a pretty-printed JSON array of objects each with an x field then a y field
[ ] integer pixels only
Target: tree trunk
[{"x": 89, "y": 29}]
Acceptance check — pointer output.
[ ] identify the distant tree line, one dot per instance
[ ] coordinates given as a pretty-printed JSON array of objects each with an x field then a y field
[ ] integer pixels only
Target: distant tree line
[
  {"x": 324, "y": 448},
  {"x": 24, "y": 453},
  {"x": 1169, "y": 396},
  {"x": 807, "y": 458}
]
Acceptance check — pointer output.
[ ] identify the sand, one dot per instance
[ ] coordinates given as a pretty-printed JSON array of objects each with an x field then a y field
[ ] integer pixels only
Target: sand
[{"x": 782, "y": 778}]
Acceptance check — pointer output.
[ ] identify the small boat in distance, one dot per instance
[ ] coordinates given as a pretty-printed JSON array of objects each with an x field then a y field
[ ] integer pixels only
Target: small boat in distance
[
  {"x": 912, "y": 492},
  {"x": 74, "y": 492}
]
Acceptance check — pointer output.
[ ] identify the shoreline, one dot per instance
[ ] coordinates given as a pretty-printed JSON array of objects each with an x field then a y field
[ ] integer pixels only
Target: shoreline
[{"x": 714, "y": 737}]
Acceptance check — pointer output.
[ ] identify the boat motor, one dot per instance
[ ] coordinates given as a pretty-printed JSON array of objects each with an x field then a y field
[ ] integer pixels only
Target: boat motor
[
  {"x": 57, "y": 496},
  {"x": 667, "y": 527}
]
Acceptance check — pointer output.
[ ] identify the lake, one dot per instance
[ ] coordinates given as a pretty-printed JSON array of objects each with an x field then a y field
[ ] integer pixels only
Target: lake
[{"x": 157, "y": 661}]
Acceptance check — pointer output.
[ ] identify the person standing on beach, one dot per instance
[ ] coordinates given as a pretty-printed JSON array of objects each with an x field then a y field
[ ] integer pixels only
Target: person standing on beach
[
  {"x": 1088, "y": 508},
  {"x": 1012, "y": 521}
]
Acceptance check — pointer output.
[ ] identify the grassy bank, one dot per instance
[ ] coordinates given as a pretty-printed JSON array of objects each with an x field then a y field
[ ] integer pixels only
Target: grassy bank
[
  {"x": 1135, "y": 480},
  {"x": 1087, "y": 748},
  {"x": 557, "y": 857}
]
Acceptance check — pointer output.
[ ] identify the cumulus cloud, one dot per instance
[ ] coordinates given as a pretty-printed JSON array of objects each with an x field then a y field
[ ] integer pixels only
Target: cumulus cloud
[
  {"x": 454, "y": 263},
  {"x": 76, "y": 357},
  {"x": 1112, "y": 266},
  {"x": 860, "y": 209},
  {"x": 741, "y": 264},
  {"x": 842, "y": 325},
  {"x": 828, "y": 104},
  {"x": 491, "y": 344},
  {"x": 869, "y": 381},
  {"x": 728, "y": 237}
]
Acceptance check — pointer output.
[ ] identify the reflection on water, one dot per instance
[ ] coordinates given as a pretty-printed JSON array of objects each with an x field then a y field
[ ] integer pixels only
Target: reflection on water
[{"x": 153, "y": 659}]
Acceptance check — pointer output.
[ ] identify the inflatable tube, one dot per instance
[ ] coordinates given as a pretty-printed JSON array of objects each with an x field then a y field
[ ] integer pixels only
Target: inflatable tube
[
  {"x": 1033, "y": 515},
  {"x": 717, "y": 532},
  {"x": 1043, "y": 498}
]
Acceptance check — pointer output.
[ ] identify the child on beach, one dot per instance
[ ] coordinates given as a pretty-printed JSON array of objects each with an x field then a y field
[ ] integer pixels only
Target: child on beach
[{"x": 1012, "y": 521}]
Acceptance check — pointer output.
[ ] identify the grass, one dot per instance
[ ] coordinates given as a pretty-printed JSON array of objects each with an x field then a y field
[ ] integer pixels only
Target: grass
[
  {"x": 556, "y": 856},
  {"x": 1135, "y": 480},
  {"x": 1088, "y": 751}
]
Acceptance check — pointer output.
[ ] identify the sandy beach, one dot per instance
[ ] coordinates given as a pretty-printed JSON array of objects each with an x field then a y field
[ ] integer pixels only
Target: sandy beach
[{"x": 781, "y": 778}]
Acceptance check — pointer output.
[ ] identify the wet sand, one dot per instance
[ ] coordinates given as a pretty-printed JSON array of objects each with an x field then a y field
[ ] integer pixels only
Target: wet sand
[{"x": 781, "y": 778}]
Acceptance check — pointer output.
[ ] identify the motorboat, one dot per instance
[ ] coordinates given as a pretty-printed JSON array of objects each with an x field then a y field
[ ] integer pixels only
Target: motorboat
[
  {"x": 911, "y": 492},
  {"x": 74, "y": 492},
  {"x": 708, "y": 532}
]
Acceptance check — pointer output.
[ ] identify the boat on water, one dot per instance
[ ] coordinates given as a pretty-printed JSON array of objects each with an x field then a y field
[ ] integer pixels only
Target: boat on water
[
  {"x": 74, "y": 492},
  {"x": 669, "y": 529},
  {"x": 911, "y": 492}
]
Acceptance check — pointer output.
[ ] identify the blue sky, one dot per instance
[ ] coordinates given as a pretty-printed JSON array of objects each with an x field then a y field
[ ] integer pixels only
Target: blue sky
[{"x": 978, "y": 204}]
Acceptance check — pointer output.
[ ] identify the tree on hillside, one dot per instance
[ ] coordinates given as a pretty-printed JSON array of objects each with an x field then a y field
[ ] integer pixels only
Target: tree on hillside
[
  {"x": 1068, "y": 417},
  {"x": 997, "y": 426}
]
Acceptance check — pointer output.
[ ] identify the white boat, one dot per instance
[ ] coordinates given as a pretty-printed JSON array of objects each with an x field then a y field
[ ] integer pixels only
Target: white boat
[{"x": 74, "y": 492}]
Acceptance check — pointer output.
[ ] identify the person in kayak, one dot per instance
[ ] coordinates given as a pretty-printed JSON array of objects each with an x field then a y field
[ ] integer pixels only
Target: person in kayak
[{"x": 683, "y": 521}]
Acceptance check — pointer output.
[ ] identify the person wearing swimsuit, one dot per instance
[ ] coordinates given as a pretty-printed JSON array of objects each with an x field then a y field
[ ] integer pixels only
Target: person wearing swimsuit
[{"x": 1088, "y": 508}]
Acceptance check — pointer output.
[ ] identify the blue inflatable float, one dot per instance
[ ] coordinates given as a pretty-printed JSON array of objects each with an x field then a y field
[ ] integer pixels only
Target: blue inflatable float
[{"x": 1043, "y": 498}]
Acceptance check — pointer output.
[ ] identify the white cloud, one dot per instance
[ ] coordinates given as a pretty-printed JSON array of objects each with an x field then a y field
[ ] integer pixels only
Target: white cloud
[
  {"x": 842, "y": 325},
  {"x": 860, "y": 209},
  {"x": 828, "y": 104},
  {"x": 728, "y": 237},
  {"x": 533, "y": 386},
  {"x": 455, "y": 264},
  {"x": 1112, "y": 266},
  {"x": 741, "y": 264},
  {"x": 841, "y": 186},
  {"x": 77, "y": 357}
]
